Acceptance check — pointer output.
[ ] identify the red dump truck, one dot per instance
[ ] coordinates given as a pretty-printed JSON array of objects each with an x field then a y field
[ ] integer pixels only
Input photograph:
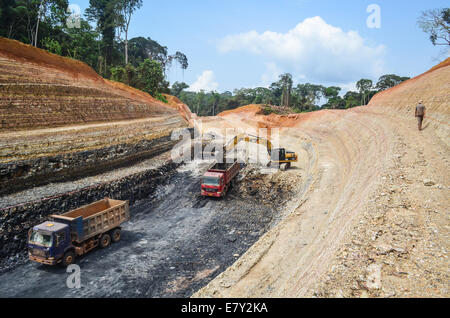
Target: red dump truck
[
  {"x": 77, "y": 232},
  {"x": 219, "y": 178}
]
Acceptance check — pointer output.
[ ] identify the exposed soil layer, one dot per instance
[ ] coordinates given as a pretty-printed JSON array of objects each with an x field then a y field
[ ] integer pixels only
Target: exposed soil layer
[
  {"x": 23, "y": 174},
  {"x": 39, "y": 89}
]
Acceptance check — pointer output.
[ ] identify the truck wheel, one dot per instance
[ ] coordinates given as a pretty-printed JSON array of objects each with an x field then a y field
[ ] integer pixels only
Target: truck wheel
[
  {"x": 105, "y": 240},
  {"x": 68, "y": 259},
  {"x": 116, "y": 234}
]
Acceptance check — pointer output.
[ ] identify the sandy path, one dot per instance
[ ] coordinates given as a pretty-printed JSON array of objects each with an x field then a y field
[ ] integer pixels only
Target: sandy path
[{"x": 348, "y": 153}]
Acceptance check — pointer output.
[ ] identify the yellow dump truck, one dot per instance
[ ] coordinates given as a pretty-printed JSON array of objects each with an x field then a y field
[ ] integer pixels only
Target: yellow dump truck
[{"x": 77, "y": 232}]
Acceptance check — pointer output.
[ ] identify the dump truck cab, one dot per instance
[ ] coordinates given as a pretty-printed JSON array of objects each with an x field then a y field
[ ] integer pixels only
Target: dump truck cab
[
  {"x": 213, "y": 183},
  {"x": 219, "y": 178},
  {"x": 67, "y": 236},
  {"x": 48, "y": 242}
]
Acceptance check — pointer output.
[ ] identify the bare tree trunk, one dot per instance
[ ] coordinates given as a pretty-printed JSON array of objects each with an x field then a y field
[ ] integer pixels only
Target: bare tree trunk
[
  {"x": 126, "y": 48},
  {"x": 126, "y": 39},
  {"x": 37, "y": 23}
]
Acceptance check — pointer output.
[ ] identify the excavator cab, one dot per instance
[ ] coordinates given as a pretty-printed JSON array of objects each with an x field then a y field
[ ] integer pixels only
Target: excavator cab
[
  {"x": 282, "y": 158},
  {"x": 278, "y": 154}
]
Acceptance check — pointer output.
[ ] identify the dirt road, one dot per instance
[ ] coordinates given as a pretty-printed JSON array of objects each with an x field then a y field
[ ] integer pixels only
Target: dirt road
[{"x": 354, "y": 152}]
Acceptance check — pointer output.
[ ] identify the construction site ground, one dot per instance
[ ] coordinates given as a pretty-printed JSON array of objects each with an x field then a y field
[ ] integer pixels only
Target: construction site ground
[
  {"x": 363, "y": 213},
  {"x": 373, "y": 221},
  {"x": 175, "y": 243}
]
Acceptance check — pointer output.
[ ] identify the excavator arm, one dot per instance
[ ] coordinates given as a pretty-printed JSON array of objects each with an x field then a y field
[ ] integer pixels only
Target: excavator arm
[
  {"x": 278, "y": 156},
  {"x": 249, "y": 139}
]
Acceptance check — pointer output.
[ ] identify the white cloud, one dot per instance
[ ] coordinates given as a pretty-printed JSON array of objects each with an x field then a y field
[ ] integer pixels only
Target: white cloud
[
  {"x": 348, "y": 87},
  {"x": 205, "y": 81},
  {"x": 271, "y": 75},
  {"x": 314, "y": 50}
]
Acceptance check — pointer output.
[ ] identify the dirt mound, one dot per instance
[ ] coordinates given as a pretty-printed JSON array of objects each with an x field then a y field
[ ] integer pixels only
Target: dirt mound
[
  {"x": 39, "y": 89},
  {"x": 252, "y": 109},
  {"x": 254, "y": 116}
]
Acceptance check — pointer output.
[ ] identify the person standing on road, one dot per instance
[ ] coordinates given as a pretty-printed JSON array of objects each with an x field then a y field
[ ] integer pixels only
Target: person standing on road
[{"x": 420, "y": 113}]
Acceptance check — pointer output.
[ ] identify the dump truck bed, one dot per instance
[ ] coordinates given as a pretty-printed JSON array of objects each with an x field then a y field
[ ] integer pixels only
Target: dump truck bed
[
  {"x": 222, "y": 167},
  {"x": 94, "y": 219}
]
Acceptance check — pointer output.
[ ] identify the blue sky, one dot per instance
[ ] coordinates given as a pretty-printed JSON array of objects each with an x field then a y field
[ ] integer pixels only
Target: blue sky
[{"x": 248, "y": 43}]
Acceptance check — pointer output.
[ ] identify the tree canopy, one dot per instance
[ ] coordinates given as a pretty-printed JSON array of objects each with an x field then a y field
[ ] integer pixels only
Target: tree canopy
[{"x": 139, "y": 62}]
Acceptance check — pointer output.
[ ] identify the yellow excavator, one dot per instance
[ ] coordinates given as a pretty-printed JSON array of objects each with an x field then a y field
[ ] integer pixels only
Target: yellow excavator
[{"x": 279, "y": 157}]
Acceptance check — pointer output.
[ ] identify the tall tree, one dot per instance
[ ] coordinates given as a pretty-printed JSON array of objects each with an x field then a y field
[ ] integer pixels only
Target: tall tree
[
  {"x": 40, "y": 12},
  {"x": 332, "y": 94},
  {"x": 151, "y": 77},
  {"x": 107, "y": 15},
  {"x": 364, "y": 86},
  {"x": 180, "y": 58},
  {"x": 141, "y": 48},
  {"x": 178, "y": 87},
  {"x": 286, "y": 83},
  {"x": 436, "y": 23},
  {"x": 307, "y": 95},
  {"x": 128, "y": 7},
  {"x": 31, "y": 20}
]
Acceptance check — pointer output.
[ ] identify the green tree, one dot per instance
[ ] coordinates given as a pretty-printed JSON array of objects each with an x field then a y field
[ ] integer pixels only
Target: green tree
[
  {"x": 141, "y": 48},
  {"x": 180, "y": 58},
  {"x": 127, "y": 8},
  {"x": 352, "y": 99},
  {"x": 389, "y": 80},
  {"x": 364, "y": 86},
  {"x": 286, "y": 82},
  {"x": 306, "y": 96},
  {"x": 150, "y": 77},
  {"x": 81, "y": 44},
  {"x": 178, "y": 87},
  {"x": 52, "y": 45},
  {"x": 31, "y": 20},
  {"x": 119, "y": 74},
  {"x": 108, "y": 16},
  {"x": 334, "y": 100}
]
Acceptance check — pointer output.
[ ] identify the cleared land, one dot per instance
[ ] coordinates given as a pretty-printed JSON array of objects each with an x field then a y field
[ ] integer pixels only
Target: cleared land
[{"x": 364, "y": 213}]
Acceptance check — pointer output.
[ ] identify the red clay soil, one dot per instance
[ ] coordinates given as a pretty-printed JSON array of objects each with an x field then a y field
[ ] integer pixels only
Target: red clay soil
[
  {"x": 39, "y": 89},
  {"x": 254, "y": 113},
  {"x": 26, "y": 53},
  {"x": 250, "y": 109},
  {"x": 181, "y": 107}
]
